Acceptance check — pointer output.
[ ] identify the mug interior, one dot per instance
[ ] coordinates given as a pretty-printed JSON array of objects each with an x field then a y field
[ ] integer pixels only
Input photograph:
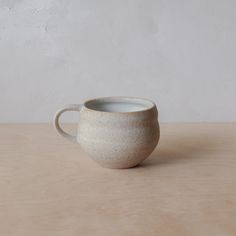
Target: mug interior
[{"x": 119, "y": 104}]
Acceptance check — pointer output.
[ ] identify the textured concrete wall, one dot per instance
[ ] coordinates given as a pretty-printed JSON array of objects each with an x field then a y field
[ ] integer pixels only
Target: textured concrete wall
[{"x": 181, "y": 54}]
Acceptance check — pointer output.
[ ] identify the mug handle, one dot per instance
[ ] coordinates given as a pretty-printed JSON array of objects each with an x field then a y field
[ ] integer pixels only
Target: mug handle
[{"x": 69, "y": 107}]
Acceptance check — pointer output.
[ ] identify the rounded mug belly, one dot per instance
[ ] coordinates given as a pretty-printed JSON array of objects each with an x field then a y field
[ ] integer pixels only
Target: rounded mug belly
[{"x": 120, "y": 142}]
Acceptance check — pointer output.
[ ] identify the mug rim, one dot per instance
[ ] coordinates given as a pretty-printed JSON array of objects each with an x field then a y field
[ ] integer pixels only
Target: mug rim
[{"x": 139, "y": 100}]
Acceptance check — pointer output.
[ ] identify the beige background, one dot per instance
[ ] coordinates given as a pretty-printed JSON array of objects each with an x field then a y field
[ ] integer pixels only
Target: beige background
[{"x": 49, "y": 186}]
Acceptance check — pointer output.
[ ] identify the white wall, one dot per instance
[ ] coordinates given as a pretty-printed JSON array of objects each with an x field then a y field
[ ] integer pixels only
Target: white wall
[{"x": 181, "y": 54}]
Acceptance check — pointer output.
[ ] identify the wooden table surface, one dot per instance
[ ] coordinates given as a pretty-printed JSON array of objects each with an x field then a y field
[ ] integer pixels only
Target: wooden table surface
[{"x": 48, "y": 186}]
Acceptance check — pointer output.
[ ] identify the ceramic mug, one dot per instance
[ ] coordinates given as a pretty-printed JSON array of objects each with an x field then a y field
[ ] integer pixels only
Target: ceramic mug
[{"x": 116, "y": 132}]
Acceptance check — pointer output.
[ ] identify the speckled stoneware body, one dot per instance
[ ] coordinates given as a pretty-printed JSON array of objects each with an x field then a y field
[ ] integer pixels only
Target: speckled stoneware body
[{"x": 116, "y": 132}]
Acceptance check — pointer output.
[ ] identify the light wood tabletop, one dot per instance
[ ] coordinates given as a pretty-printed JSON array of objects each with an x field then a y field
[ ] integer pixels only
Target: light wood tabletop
[{"x": 48, "y": 186}]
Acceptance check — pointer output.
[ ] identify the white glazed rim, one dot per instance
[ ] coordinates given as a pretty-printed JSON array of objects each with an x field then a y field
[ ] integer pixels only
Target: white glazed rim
[{"x": 150, "y": 104}]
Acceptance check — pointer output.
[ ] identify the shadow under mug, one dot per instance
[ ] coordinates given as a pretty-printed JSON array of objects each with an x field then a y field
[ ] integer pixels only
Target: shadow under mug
[{"x": 116, "y": 132}]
